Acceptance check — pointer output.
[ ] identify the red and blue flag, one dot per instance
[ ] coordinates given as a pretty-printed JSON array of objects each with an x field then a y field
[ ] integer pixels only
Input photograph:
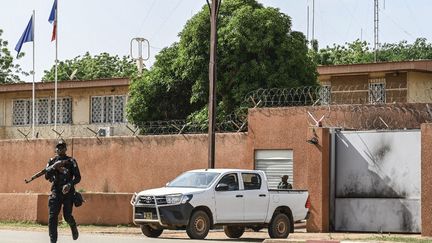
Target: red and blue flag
[{"x": 53, "y": 20}]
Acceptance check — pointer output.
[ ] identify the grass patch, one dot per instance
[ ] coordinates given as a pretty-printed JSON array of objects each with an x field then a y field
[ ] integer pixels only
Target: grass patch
[
  {"x": 23, "y": 224},
  {"x": 62, "y": 224}
]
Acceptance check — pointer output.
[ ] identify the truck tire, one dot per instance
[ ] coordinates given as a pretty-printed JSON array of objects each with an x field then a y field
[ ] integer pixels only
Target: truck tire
[
  {"x": 234, "y": 231},
  {"x": 151, "y": 231},
  {"x": 280, "y": 226},
  {"x": 199, "y": 225}
]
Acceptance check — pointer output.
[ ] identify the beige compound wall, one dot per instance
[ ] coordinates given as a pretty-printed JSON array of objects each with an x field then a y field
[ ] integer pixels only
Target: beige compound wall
[
  {"x": 99, "y": 208},
  {"x": 130, "y": 164},
  {"x": 119, "y": 164}
]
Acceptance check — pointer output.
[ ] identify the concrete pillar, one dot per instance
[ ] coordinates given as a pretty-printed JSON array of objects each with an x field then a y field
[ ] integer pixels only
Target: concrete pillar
[
  {"x": 426, "y": 179},
  {"x": 318, "y": 160}
]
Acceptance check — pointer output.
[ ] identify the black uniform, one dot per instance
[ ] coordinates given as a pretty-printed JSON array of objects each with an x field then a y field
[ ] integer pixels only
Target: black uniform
[{"x": 70, "y": 174}]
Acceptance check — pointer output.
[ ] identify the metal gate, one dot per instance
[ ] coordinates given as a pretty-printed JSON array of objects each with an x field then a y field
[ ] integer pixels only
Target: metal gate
[
  {"x": 275, "y": 163},
  {"x": 375, "y": 178}
]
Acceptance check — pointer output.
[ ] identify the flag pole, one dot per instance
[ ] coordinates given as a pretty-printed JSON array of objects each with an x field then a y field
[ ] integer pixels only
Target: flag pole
[
  {"x": 56, "y": 61},
  {"x": 33, "y": 86}
]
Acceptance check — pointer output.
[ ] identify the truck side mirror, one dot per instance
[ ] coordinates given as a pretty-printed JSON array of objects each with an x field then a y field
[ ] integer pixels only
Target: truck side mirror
[
  {"x": 167, "y": 184},
  {"x": 222, "y": 187}
]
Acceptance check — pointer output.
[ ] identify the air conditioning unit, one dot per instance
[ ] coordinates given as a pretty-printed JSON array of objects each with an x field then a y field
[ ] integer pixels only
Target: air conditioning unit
[{"x": 105, "y": 131}]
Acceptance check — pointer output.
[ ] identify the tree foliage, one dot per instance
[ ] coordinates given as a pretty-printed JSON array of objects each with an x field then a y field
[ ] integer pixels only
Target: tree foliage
[
  {"x": 159, "y": 94},
  {"x": 256, "y": 49},
  {"x": 8, "y": 70},
  {"x": 90, "y": 67},
  {"x": 361, "y": 52}
]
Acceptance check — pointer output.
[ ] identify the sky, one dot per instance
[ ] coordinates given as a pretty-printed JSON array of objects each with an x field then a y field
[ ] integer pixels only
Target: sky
[{"x": 108, "y": 26}]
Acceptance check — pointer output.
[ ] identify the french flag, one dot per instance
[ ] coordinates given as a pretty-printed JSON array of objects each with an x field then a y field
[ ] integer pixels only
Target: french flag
[{"x": 53, "y": 20}]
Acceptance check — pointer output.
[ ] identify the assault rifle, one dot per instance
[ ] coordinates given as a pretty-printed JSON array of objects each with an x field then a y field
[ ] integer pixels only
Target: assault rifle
[{"x": 56, "y": 166}]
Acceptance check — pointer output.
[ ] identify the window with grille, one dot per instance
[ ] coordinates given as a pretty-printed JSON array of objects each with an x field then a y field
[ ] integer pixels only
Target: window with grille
[
  {"x": 325, "y": 94},
  {"x": 377, "y": 93},
  {"x": 108, "y": 109},
  {"x": 44, "y": 111}
]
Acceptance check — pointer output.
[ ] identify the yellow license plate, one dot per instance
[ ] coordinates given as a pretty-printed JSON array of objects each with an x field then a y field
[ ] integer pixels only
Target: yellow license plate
[{"x": 148, "y": 215}]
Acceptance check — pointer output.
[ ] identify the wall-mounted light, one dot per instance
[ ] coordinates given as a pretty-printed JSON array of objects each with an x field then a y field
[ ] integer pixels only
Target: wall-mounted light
[{"x": 313, "y": 140}]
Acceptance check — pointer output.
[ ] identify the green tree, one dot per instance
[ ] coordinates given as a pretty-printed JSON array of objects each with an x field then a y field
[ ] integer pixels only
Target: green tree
[
  {"x": 8, "y": 70},
  {"x": 90, "y": 67},
  {"x": 355, "y": 52},
  {"x": 160, "y": 94},
  {"x": 361, "y": 52},
  {"x": 404, "y": 51},
  {"x": 256, "y": 49}
]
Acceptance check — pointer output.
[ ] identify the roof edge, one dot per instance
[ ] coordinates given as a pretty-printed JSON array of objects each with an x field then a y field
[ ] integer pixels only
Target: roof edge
[
  {"x": 17, "y": 87},
  {"x": 417, "y": 65}
]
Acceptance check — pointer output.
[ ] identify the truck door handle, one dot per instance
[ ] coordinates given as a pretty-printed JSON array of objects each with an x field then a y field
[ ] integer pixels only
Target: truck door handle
[
  {"x": 262, "y": 195},
  {"x": 239, "y": 195}
]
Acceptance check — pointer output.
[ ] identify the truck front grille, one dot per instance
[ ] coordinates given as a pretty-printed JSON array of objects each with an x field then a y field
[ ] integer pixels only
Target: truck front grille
[{"x": 149, "y": 200}]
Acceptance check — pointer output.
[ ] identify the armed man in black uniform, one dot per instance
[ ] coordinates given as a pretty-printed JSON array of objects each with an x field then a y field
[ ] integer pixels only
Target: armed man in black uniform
[{"x": 64, "y": 178}]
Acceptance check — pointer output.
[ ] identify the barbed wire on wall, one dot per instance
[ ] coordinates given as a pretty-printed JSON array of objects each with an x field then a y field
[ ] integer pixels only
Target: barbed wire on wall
[
  {"x": 374, "y": 117},
  {"x": 359, "y": 107}
]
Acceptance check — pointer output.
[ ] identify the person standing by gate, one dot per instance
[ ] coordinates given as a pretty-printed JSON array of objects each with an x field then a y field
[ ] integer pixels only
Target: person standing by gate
[{"x": 64, "y": 177}]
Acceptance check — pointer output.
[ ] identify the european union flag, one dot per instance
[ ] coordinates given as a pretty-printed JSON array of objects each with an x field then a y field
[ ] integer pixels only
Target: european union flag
[{"x": 27, "y": 36}]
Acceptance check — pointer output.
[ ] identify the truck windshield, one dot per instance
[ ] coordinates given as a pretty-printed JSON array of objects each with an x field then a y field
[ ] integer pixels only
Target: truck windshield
[{"x": 194, "y": 180}]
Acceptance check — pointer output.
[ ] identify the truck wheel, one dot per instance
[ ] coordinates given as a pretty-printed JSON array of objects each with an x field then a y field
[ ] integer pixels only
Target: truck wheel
[
  {"x": 279, "y": 226},
  {"x": 234, "y": 231},
  {"x": 199, "y": 225},
  {"x": 151, "y": 231}
]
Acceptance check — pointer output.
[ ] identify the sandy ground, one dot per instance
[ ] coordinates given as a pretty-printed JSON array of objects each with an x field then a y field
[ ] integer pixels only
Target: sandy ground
[{"x": 300, "y": 234}]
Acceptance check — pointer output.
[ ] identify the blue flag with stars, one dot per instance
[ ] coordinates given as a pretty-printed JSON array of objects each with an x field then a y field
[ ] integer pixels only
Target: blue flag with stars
[{"x": 27, "y": 36}]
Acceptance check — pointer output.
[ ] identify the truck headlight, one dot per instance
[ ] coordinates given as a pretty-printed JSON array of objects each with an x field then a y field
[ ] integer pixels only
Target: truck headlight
[
  {"x": 174, "y": 199},
  {"x": 178, "y": 198},
  {"x": 186, "y": 198}
]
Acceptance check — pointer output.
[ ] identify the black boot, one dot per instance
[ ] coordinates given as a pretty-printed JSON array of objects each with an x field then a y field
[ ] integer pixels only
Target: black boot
[{"x": 74, "y": 230}]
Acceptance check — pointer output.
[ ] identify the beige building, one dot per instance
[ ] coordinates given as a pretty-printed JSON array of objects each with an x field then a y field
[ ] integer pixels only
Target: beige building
[
  {"x": 87, "y": 108},
  {"x": 377, "y": 83},
  {"x": 84, "y": 109}
]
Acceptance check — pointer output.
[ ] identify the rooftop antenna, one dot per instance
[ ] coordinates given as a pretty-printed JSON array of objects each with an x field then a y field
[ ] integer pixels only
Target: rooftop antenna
[
  {"x": 313, "y": 20},
  {"x": 307, "y": 28},
  {"x": 138, "y": 57},
  {"x": 376, "y": 28}
]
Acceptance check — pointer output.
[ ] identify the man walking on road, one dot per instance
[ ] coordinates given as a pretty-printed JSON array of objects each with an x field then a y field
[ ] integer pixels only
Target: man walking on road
[{"x": 63, "y": 178}]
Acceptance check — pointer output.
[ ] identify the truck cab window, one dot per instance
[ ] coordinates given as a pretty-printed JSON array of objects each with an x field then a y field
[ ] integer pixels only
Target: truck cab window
[
  {"x": 251, "y": 181},
  {"x": 231, "y": 180}
]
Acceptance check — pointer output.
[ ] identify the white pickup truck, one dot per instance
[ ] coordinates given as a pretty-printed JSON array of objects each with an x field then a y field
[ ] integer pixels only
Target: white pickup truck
[{"x": 198, "y": 200}]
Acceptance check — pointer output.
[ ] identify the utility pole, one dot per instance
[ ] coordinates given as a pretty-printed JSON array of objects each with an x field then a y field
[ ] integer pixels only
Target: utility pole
[
  {"x": 376, "y": 28},
  {"x": 214, "y": 9}
]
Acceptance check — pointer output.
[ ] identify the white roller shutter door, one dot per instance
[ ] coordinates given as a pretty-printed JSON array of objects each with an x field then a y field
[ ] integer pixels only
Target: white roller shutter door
[{"x": 275, "y": 163}]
